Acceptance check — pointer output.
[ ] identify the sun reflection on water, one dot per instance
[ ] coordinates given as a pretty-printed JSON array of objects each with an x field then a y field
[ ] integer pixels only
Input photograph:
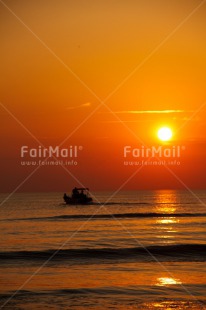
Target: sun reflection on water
[
  {"x": 165, "y": 281},
  {"x": 171, "y": 305},
  {"x": 166, "y": 202},
  {"x": 169, "y": 220},
  {"x": 167, "y": 225}
]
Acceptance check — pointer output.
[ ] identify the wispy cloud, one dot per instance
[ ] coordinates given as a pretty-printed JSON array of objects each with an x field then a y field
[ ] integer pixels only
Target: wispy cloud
[
  {"x": 127, "y": 121},
  {"x": 83, "y": 105},
  {"x": 151, "y": 111}
]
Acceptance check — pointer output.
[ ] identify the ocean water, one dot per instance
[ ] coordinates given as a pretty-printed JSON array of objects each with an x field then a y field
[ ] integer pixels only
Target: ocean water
[{"x": 132, "y": 250}]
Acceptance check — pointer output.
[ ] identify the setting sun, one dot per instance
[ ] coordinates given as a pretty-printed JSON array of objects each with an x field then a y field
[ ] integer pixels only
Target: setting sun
[{"x": 164, "y": 133}]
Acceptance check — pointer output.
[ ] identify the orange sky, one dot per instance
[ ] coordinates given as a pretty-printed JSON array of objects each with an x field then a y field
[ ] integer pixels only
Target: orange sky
[{"x": 60, "y": 59}]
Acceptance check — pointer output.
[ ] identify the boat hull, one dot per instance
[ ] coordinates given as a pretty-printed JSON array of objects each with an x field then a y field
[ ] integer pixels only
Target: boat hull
[{"x": 78, "y": 201}]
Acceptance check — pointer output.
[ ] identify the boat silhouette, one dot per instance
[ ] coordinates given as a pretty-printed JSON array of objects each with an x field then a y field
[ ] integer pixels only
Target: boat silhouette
[{"x": 78, "y": 196}]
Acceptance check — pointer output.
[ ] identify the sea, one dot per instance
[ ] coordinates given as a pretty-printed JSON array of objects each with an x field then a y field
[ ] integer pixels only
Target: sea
[{"x": 129, "y": 250}]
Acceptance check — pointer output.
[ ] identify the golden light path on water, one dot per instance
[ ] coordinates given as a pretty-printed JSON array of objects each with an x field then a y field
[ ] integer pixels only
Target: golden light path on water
[
  {"x": 167, "y": 305},
  {"x": 165, "y": 281},
  {"x": 168, "y": 220},
  {"x": 167, "y": 228}
]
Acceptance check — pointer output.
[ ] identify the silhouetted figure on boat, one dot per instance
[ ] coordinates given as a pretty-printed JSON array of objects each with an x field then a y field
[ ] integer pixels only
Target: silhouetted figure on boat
[{"x": 75, "y": 193}]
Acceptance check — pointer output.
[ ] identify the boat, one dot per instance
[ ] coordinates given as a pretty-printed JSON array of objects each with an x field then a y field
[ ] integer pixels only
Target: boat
[{"x": 79, "y": 196}]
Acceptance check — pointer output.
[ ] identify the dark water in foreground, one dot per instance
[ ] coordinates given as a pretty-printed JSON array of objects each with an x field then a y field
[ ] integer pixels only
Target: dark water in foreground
[{"x": 141, "y": 250}]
